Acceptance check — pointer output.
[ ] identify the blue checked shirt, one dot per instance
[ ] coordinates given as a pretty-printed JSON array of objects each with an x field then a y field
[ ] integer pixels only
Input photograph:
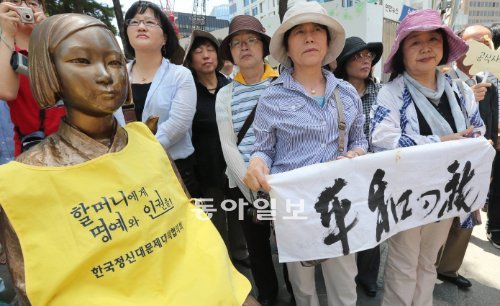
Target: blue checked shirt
[
  {"x": 368, "y": 99},
  {"x": 292, "y": 130}
]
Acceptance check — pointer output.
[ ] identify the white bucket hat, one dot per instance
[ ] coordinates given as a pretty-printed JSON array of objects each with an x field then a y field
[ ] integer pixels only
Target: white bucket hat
[{"x": 305, "y": 12}]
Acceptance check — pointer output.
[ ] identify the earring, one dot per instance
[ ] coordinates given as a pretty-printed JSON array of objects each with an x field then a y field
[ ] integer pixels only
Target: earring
[{"x": 163, "y": 50}]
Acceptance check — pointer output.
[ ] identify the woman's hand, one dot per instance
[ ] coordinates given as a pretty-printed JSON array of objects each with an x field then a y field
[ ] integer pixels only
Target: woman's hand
[
  {"x": 351, "y": 154},
  {"x": 460, "y": 135},
  {"x": 480, "y": 91},
  {"x": 39, "y": 16},
  {"x": 255, "y": 176},
  {"x": 9, "y": 20}
]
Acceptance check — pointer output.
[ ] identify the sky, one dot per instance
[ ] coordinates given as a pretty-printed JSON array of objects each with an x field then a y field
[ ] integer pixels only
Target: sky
[{"x": 185, "y": 6}]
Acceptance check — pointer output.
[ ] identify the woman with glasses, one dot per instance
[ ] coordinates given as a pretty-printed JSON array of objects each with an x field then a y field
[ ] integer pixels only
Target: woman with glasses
[
  {"x": 355, "y": 65},
  {"x": 159, "y": 87},
  {"x": 26, "y": 115}
]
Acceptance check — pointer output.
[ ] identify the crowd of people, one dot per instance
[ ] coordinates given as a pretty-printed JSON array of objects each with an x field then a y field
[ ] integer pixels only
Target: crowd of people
[{"x": 215, "y": 124}]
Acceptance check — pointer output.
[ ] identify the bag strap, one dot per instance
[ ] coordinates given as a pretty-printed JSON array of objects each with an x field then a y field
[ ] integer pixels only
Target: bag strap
[
  {"x": 42, "y": 120},
  {"x": 341, "y": 120},
  {"x": 41, "y": 128},
  {"x": 246, "y": 125}
]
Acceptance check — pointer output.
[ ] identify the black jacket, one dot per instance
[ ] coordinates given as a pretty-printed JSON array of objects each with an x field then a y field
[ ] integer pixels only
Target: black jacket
[
  {"x": 210, "y": 164},
  {"x": 488, "y": 108}
]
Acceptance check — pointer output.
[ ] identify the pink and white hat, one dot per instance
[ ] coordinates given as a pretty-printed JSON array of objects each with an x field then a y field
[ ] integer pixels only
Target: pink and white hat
[{"x": 425, "y": 20}]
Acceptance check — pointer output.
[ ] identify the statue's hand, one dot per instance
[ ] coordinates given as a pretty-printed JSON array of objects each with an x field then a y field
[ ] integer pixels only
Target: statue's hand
[{"x": 152, "y": 123}]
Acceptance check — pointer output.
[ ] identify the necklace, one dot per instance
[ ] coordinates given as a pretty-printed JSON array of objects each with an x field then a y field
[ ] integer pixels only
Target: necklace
[
  {"x": 311, "y": 91},
  {"x": 143, "y": 79}
]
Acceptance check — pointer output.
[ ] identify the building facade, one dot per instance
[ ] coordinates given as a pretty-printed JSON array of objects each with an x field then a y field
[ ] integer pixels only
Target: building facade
[
  {"x": 258, "y": 8},
  {"x": 221, "y": 12},
  {"x": 183, "y": 21},
  {"x": 484, "y": 12}
]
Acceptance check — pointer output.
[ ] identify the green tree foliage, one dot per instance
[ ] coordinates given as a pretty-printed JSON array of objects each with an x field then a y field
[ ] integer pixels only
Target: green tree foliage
[{"x": 89, "y": 7}]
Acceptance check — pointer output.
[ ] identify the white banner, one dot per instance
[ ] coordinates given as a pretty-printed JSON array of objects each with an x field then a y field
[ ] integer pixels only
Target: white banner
[{"x": 345, "y": 206}]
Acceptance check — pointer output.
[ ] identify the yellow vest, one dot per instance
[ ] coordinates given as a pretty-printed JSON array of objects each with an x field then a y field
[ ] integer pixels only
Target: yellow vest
[{"x": 116, "y": 230}]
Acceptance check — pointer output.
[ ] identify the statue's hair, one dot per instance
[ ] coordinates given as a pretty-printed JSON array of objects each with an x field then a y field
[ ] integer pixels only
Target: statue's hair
[{"x": 45, "y": 38}]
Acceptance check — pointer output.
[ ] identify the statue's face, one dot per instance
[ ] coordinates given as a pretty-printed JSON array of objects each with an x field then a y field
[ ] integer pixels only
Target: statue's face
[{"x": 92, "y": 72}]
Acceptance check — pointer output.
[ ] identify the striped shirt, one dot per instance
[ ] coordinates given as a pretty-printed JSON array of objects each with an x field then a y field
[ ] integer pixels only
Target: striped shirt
[
  {"x": 235, "y": 160},
  {"x": 244, "y": 99},
  {"x": 292, "y": 130}
]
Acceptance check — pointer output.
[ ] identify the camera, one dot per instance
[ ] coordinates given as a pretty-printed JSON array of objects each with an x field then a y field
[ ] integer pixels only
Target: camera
[
  {"x": 26, "y": 14},
  {"x": 252, "y": 212},
  {"x": 19, "y": 63}
]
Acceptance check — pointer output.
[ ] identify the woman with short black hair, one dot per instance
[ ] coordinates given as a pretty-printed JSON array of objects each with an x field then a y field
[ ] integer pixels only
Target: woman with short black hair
[
  {"x": 355, "y": 65},
  {"x": 159, "y": 87}
]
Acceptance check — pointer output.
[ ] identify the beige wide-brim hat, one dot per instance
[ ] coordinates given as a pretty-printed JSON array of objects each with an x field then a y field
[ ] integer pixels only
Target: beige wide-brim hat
[{"x": 305, "y": 12}]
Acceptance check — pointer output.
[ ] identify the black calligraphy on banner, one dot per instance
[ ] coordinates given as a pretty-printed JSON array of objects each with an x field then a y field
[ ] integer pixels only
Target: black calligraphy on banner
[
  {"x": 456, "y": 187},
  {"x": 339, "y": 208},
  {"x": 376, "y": 201}
]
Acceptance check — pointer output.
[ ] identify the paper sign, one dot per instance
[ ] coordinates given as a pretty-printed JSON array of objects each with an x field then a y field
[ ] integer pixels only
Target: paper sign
[{"x": 482, "y": 58}]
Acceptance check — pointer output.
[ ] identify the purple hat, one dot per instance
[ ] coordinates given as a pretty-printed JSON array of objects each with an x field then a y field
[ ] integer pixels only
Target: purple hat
[{"x": 425, "y": 20}]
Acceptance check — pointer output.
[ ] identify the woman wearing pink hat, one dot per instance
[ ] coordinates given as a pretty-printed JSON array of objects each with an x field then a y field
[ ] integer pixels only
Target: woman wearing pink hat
[{"x": 420, "y": 105}]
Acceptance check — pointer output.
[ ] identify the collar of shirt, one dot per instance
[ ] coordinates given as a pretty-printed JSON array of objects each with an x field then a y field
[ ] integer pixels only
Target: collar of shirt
[
  {"x": 289, "y": 82},
  {"x": 371, "y": 88},
  {"x": 221, "y": 82},
  {"x": 269, "y": 72},
  {"x": 85, "y": 143},
  {"x": 70, "y": 146}
]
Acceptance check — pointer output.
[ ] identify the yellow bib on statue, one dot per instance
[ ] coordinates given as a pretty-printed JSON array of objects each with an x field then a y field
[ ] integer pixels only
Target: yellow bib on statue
[{"x": 116, "y": 230}]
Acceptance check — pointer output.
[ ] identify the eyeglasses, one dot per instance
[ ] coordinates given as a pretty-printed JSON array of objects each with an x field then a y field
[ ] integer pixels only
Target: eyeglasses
[
  {"x": 361, "y": 56},
  {"x": 148, "y": 23},
  {"x": 31, "y": 3},
  {"x": 250, "y": 41}
]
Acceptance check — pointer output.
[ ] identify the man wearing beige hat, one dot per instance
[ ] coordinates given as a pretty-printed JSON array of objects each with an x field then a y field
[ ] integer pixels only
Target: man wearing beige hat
[
  {"x": 300, "y": 122},
  {"x": 246, "y": 46}
]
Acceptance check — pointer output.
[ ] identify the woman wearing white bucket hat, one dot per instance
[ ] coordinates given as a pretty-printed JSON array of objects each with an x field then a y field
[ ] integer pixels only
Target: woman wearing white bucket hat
[{"x": 297, "y": 124}]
